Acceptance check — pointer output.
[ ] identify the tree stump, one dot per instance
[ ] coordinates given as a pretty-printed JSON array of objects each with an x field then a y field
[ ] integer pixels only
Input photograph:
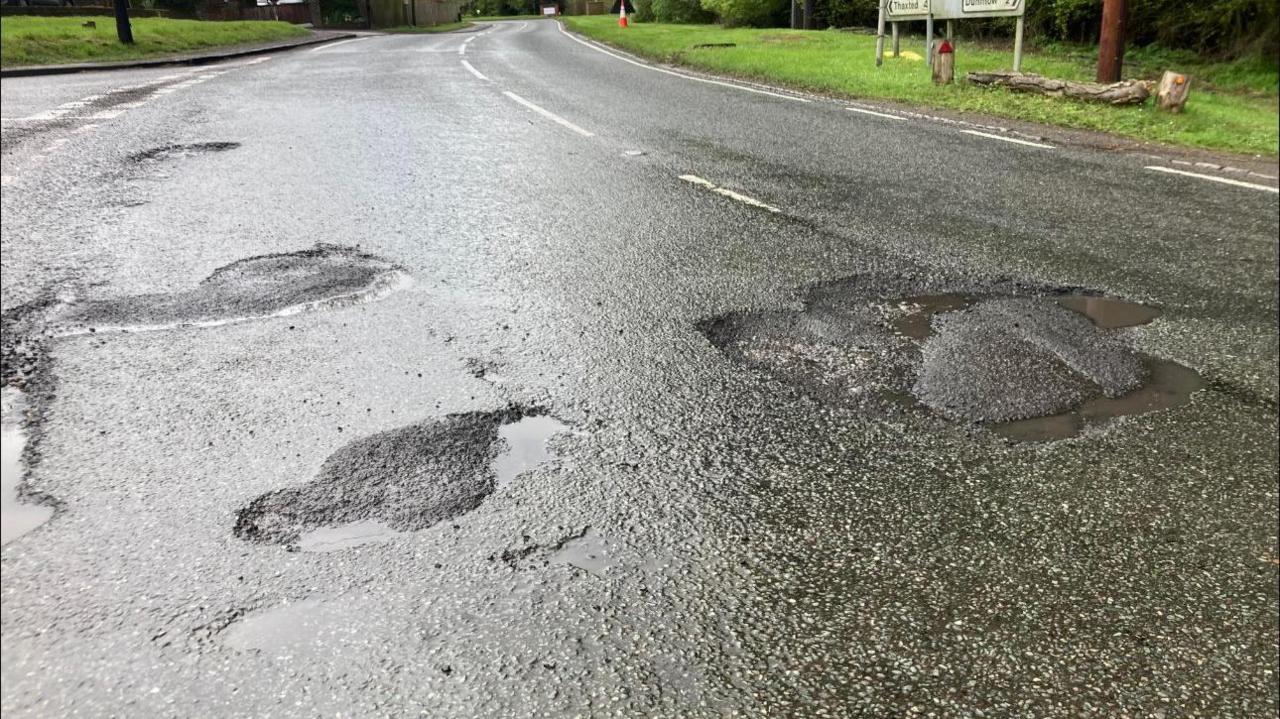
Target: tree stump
[
  {"x": 1128, "y": 92},
  {"x": 1174, "y": 88}
]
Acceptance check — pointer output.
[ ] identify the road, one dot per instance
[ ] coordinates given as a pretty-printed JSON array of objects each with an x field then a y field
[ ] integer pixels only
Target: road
[{"x": 672, "y": 293}]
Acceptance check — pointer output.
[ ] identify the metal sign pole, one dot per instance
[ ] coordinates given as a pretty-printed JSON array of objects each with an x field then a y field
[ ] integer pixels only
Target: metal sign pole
[
  {"x": 928, "y": 39},
  {"x": 897, "y": 49},
  {"x": 880, "y": 35},
  {"x": 1017, "y": 45}
]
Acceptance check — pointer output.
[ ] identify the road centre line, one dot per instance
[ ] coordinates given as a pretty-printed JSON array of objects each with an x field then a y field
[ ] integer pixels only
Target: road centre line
[
  {"x": 548, "y": 114},
  {"x": 746, "y": 200},
  {"x": 694, "y": 78},
  {"x": 1213, "y": 178},
  {"x": 331, "y": 45},
  {"x": 473, "y": 71},
  {"x": 873, "y": 112},
  {"x": 1008, "y": 139}
]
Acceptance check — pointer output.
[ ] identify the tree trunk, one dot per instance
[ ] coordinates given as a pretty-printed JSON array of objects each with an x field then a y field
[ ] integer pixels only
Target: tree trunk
[
  {"x": 1173, "y": 91},
  {"x": 1129, "y": 92},
  {"x": 810, "y": 6},
  {"x": 123, "y": 29}
]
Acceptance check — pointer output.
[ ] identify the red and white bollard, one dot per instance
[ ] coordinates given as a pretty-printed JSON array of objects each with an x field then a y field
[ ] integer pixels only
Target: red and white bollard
[{"x": 622, "y": 13}]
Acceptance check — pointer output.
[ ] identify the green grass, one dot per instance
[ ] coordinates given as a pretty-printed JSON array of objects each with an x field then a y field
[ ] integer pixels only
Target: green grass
[
  {"x": 1233, "y": 106},
  {"x": 52, "y": 40},
  {"x": 442, "y": 27}
]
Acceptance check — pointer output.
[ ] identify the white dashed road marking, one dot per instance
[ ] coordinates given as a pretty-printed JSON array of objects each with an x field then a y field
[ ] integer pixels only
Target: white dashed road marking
[
  {"x": 1002, "y": 138},
  {"x": 1213, "y": 178},
  {"x": 473, "y": 71},
  {"x": 548, "y": 114},
  {"x": 865, "y": 111},
  {"x": 694, "y": 179}
]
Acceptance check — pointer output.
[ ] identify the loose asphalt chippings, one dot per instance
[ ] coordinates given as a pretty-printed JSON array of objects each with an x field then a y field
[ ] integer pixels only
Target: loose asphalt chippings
[
  {"x": 325, "y": 276},
  {"x": 168, "y": 152},
  {"x": 402, "y": 480}
]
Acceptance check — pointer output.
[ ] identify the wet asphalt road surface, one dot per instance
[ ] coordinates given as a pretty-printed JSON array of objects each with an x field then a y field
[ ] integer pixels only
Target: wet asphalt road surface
[{"x": 277, "y": 325}]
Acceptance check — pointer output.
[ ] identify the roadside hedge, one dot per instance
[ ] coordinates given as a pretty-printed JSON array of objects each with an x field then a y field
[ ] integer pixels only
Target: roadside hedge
[{"x": 1227, "y": 28}]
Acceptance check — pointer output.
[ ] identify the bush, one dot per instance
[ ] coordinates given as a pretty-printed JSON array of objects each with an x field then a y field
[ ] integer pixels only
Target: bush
[
  {"x": 681, "y": 11},
  {"x": 1219, "y": 27},
  {"x": 757, "y": 13}
]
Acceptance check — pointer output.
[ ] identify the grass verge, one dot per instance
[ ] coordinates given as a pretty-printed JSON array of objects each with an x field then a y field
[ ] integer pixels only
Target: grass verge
[
  {"x": 442, "y": 27},
  {"x": 53, "y": 40},
  {"x": 1233, "y": 106}
]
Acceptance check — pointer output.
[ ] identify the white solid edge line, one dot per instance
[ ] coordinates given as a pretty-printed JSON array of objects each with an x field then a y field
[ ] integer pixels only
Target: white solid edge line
[
  {"x": 873, "y": 112},
  {"x": 473, "y": 71},
  {"x": 548, "y": 114},
  {"x": 1213, "y": 178},
  {"x": 1014, "y": 140},
  {"x": 332, "y": 45},
  {"x": 709, "y": 81},
  {"x": 746, "y": 200}
]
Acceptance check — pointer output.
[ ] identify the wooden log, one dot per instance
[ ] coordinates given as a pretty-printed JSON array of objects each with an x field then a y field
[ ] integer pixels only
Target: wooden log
[
  {"x": 1128, "y": 92},
  {"x": 1173, "y": 91}
]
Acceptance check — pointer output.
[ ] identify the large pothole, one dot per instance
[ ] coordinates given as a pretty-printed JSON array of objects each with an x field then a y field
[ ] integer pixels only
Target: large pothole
[
  {"x": 402, "y": 480},
  {"x": 264, "y": 286},
  {"x": 1032, "y": 364}
]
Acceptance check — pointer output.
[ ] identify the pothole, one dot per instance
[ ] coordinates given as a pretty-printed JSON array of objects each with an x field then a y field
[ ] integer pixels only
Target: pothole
[
  {"x": 325, "y": 276},
  {"x": 402, "y": 480},
  {"x": 1031, "y": 364},
  {"x": 306, "y": 629},
  {"x": 168, "y": 152},
  {"x": 17, "y": 517}
]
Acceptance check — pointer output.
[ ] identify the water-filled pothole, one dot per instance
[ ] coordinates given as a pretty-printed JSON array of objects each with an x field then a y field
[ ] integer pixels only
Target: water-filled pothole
[
  {"x": 264, "y": 286},
  {"x": 308, "y": 629},
  {"x": 167, "y": 152},
  {"x": 17, "y": 517},
  {"x": 402, "y": 480},
  {"x": 1052, "y": 362}
]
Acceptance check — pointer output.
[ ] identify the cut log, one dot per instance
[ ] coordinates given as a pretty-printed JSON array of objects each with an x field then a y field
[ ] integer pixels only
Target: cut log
[
  {"x": 1128, "y": 92},
  {"x": 1174, "y": 88}
]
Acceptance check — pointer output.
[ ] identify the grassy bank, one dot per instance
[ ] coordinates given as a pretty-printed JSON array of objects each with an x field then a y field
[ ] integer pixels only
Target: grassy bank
[
  {"x": 442, "y": 27},
  {"x": 51, "y": 40},
  {"x": 1233, "y": 106}
]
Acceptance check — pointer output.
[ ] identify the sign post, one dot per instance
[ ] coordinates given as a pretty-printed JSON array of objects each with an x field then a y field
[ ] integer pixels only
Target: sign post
[{"x": 895, "y": 11}]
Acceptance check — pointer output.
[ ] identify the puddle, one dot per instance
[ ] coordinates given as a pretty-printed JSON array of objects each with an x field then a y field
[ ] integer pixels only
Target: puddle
[
  {"x": 16, "y": 517},
  {"x": 326, "y": 276},
  {"x": 1109, "y": 312},
  {"x": 346, "y": 536},
  {"x": 589, "y": 552},
  {"x": 310, "y": 629},
  {"x": 1169, "y": 385},
  {"x": 401, "y": 480},
  {"x": 916, "y": 321},
  {"x": 184, "y": 150},
  {"x": 526, "y": 446}
]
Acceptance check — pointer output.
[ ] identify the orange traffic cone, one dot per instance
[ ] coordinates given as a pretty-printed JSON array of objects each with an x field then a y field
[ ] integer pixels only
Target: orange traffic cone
[{"x": 622, "y": 13}]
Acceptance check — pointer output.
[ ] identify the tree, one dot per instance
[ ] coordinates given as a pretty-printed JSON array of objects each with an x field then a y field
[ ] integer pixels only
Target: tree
[{"x": 123, "y": 29}]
